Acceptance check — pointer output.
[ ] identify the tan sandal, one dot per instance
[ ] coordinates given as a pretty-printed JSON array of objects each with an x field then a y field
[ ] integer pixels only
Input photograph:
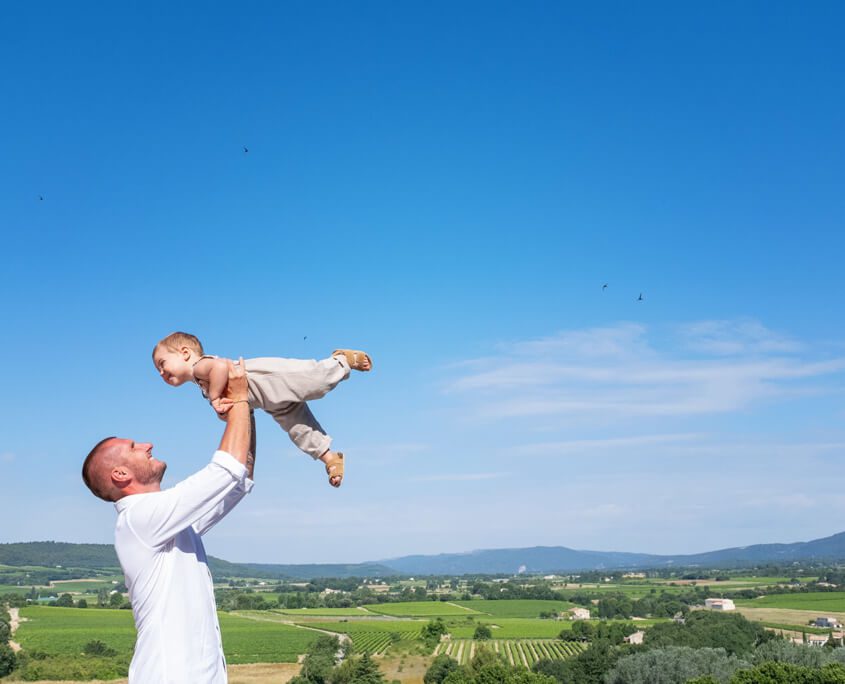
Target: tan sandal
[
  {"x": 355, "y": 359},
  {"x": 334, "y": 468}
]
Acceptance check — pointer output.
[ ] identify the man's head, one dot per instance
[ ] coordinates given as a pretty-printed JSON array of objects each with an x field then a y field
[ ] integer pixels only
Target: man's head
[
  {"x": 119, "y": 467},
  {"x": 175, "y": 356}
]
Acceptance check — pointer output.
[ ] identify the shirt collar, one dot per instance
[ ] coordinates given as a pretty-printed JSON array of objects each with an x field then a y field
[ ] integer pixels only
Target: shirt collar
[{"x": 124, "y": 503}]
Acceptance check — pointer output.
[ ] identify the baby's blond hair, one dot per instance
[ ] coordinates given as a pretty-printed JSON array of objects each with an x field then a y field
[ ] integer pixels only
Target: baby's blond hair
[{"x": 175, "y": 341}]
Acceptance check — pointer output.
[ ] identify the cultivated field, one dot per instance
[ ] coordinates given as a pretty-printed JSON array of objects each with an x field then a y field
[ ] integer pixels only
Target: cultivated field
[
  {"x": 65, "y": 631},
  {"x": 517, "y": 651},
  {"x": 421, "y": 609},
  {"x": 827, "y": 602},
  {"x": 523, "y": 608}
]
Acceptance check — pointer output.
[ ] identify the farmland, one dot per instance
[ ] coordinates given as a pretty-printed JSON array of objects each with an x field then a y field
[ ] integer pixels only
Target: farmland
[
  {"x": 828, "y": 601},
  {"x": 421, "y": 609},
  {"x": 521, "y": 608},
  {"x": 323, "y": 612},
  {"x": 525, "y": 652},
  {"x": 65, "y": 631}
]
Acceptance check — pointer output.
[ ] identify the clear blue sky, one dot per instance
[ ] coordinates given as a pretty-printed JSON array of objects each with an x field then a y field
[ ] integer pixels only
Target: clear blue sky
[{"x": 447, "y": 185}]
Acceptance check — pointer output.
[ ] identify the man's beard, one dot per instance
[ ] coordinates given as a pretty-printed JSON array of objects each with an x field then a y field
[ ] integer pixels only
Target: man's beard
[{"x": 153, "y": 474}]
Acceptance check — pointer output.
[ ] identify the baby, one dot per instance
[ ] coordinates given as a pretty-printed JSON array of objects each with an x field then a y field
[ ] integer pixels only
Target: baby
[{"x": 279, "y": 386}]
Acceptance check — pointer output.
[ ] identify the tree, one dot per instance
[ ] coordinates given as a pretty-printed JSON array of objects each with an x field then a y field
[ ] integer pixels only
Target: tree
[
  {"x": 707, "y": 629},
  {"x": 787, "y": 652},
  {"x": 8, "y": 660},
  {"x": 591, "y": 666},
  {"x": 674, "y": 665},
  {"x": 786, "y": 673},
  {"x": 319, "y": 662},
  {"x": 82, "y": 603},
  {"x": 440, "y": 669},
  {"x": 361, "y": 670},
  {"x": 102, "y": 597},
  {"x": 432, "y": 632},
  {"x": 367, "y": 672},
  {"x": 116, "y": 600},
  {"x": 65, "y": 601},
  {"x": 98, "y": 648},
  {"x": 482, "y": 633}
]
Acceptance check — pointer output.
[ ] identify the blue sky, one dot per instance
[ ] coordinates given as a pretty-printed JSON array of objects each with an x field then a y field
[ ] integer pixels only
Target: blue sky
[{"x": 447, "y": 185}]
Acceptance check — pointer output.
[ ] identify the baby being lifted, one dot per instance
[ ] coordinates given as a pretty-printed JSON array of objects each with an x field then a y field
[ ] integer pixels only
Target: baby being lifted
[{"x": 279, "y": 386}]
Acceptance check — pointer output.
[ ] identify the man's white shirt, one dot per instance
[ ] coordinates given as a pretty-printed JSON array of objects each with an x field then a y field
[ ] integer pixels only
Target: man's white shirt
[{"x": 157, "y": 539}]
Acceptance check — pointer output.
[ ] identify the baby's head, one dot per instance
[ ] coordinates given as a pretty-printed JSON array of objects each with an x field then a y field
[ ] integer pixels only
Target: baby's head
[{"x": 175, "y": 356}]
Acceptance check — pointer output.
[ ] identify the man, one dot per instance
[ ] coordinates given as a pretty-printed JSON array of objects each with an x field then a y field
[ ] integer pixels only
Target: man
[{"x": 157, "y": 539}]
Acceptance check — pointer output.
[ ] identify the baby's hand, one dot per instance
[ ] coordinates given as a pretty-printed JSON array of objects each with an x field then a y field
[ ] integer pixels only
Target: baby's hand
[{"x": 222, "y": 405}]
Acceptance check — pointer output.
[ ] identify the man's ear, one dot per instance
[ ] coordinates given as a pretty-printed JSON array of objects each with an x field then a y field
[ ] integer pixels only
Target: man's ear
[{"x": 120, "y": 477}]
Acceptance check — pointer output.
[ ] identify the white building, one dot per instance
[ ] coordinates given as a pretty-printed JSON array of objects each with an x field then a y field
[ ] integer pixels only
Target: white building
[
  {"x": 579, "y": 614},
  {"x": 812, "y": 640},
  {"x": 719, "y": 604},
  {"x": 827, "y": 621},
  {"x": 635, "y": 638}
]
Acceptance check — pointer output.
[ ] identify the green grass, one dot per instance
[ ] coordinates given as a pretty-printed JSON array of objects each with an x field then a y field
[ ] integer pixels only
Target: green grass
[
  {"x": 826, "y": 601},
  {"x": 82, "y": 587},
  {"x": 252, "y": 641},
  {"x": 408, "y": 629},
  {"x": 511, "y": 628},
  {"x": 16, "y": 589},
  {"x": 65, "y": 631},
  {"x": 522, "y": 608},
  {"x": 319, "y": 612},
  {"x": 419, "y": 609}
]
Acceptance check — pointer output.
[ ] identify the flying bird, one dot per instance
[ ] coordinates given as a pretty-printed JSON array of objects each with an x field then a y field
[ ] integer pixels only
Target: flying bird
[
  {"x": 305, "y": 338},
  {"x": 246, "y": 149},
  {"x": 604, "y": 287},
  {"x": 41, "y": 198},
  {"x": 640, "y": 298}
]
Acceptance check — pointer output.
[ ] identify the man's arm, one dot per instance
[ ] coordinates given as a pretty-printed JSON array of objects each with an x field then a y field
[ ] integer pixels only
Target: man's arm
[
  {"x": 237, "y": 437},
  {"x": 205, "y": 497},
  {"x": 233, "y": 439}
]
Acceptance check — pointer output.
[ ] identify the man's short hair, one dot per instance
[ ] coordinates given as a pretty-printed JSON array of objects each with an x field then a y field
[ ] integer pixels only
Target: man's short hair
[
  {"x": 102, "y": 489},
  {"x": 175, "y": 341}
]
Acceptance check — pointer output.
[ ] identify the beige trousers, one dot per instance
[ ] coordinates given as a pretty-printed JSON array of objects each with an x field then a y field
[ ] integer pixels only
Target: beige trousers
[{"x": 282, "y": 386}]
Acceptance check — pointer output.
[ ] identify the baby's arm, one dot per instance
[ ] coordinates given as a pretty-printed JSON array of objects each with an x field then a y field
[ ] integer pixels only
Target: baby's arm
[{"x": 214, "y": 374}]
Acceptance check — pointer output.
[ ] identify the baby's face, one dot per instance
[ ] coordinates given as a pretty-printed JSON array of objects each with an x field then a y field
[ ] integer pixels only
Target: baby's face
[{"x": 174, "y": 367}]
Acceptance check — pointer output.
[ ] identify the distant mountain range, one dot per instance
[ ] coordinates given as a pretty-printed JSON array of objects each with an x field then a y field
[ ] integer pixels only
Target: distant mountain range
[
  {"x": 549, "y": 559},
  {"x": 537, "y": 559}
]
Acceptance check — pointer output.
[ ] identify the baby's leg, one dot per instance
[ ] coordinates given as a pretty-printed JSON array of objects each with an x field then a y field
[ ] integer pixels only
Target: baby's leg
[
  {"x": 303, "y": 429},
  {"x": 279, "y": 381},
  {"x": 308, "y": 435}
]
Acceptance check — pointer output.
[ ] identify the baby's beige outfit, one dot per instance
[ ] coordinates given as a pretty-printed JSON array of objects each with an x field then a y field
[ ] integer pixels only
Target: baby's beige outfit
[{"x": 282, "y": 386}]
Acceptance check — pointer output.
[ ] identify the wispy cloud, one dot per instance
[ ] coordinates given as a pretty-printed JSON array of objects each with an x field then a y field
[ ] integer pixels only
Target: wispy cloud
[
  {"x": 609, "y": 444},
  {"x": 459, "y": 477},
  {"x": 7, "y": 457},
  {"x": 626, "y": 371},
  {"x": 736, "y": 337}
]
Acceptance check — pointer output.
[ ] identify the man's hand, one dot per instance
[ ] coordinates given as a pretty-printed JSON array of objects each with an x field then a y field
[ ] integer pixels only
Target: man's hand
[
  {"x": 236, "y": 389},
  {"x": 221, "y": 406}
]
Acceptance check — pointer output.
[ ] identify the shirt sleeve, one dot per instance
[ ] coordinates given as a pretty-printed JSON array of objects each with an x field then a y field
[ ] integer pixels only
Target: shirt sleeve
[
  {"x": 221, "y": 510},
  {"x": 161, "y": 516}
]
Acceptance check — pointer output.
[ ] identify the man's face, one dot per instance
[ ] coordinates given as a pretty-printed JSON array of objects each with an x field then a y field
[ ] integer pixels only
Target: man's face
[
  {"x": 137, "y": 458},
  {"x": 174, "y": 367}
]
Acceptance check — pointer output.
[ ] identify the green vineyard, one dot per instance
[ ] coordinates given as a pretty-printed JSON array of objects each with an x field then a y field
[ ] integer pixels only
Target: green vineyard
[{"x": 517, "y": 651}]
